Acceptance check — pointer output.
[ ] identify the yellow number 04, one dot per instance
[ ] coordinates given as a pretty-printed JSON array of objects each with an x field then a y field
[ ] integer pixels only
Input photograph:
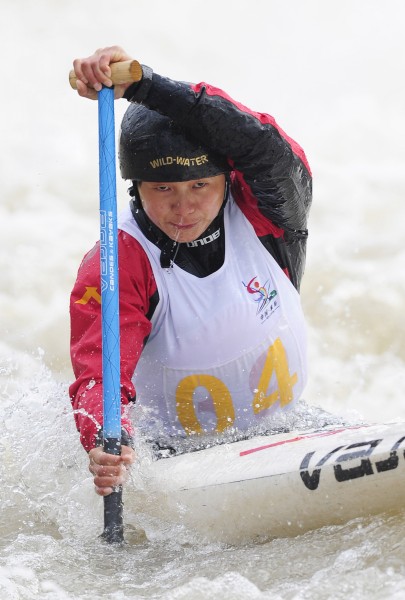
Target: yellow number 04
[{"x": 276, "y": 362}]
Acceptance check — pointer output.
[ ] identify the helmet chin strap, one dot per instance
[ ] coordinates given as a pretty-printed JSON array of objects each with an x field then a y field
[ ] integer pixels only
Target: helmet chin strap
[{"x": 168, "y": 247}]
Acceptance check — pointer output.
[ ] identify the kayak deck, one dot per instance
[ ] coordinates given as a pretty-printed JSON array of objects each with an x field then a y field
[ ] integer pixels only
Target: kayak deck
[{"x": 282, "y": 484}]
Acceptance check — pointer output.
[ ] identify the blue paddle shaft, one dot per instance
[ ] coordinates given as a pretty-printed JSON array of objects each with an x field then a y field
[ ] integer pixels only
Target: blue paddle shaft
[
  {"x": 109, "y": 267},
  {"x": 113, "y": 518}
]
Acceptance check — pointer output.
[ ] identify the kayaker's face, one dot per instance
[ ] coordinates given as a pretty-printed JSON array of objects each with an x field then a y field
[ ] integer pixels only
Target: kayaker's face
[{"x": 183, "y": 210}]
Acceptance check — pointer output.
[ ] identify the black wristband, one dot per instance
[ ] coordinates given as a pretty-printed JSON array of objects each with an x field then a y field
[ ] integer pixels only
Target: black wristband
[{"x": 137, "y": 92}]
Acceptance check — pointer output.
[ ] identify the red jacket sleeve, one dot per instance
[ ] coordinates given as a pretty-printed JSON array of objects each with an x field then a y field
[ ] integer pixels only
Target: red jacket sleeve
[{"x": 137, "y": 287}]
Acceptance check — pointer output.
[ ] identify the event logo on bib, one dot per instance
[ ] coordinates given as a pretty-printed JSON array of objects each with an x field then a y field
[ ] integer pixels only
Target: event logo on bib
[{"x": 263, "y": 296}]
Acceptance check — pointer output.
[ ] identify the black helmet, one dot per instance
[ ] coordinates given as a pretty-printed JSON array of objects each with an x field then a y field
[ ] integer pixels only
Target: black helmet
[{"x": 154, "y": 148}]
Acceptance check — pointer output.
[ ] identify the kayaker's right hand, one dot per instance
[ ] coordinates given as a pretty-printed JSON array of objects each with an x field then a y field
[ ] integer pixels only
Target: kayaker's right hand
[
  {"x": 109, "y": 470},
  {"x": 94, "y": 71}
]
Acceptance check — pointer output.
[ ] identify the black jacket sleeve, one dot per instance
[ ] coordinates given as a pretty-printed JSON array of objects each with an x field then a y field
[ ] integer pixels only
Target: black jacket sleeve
[{"x": 271, "y": 166}]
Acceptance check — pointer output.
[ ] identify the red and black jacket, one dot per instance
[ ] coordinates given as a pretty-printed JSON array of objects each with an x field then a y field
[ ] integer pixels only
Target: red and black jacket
[{"x": 271, "y": 183}]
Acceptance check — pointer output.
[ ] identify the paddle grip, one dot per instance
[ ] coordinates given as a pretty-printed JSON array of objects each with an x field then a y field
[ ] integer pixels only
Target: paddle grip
[{"x": 127, "y": 71}]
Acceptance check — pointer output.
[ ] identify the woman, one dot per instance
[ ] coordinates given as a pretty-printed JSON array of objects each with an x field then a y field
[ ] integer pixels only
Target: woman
[{"x": 211, "y": 255}]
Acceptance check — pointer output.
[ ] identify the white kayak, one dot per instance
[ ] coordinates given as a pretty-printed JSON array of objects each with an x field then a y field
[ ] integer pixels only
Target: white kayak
[{"x": 282, "y": 484}]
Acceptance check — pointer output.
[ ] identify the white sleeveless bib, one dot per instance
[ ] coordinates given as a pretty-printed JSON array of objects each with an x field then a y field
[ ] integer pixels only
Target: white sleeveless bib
[{"x": 225, "y": 350}]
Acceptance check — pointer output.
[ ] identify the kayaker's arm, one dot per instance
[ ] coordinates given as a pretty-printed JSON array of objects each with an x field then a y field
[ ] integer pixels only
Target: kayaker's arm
[
  {"x": 271, "y": 180},
  {"x": 271, "y": 163},
  {"x": 137, "y": 289}
]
